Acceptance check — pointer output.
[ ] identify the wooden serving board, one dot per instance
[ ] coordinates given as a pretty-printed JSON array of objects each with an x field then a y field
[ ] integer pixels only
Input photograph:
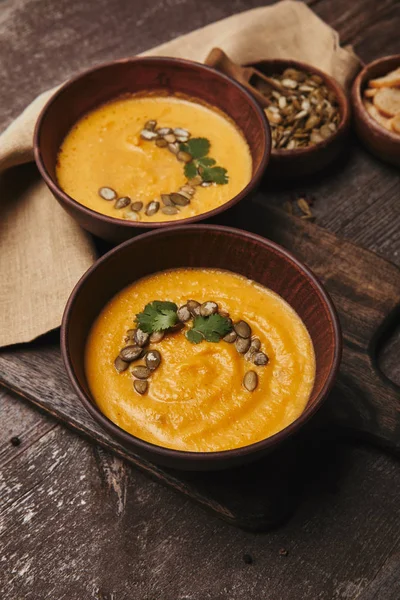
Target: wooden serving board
[{"x": 363, "y": 404}]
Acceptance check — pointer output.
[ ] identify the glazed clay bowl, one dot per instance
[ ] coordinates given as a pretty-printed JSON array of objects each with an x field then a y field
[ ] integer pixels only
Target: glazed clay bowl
[
  {"x": 155, "y": 75},
  {"x": 380, "y": 141},
  {"x": 204, "y": 246},
  {"x": 306, "y": 161}
]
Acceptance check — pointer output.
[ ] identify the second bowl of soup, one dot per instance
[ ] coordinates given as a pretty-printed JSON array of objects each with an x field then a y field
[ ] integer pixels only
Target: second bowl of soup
[
  {"x": 201, "y": 347},
  {"x": 148, "y": 142}
]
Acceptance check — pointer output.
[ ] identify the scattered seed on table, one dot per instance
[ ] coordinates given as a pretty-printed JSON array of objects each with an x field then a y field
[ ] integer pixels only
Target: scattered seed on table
[
  {"x": 183, "y": 313},
  {"x": 153, "y": 359},
  {"x": 15, "y": 441},
  {"x": 250, "y": 381},
  {"x": 120, "y": 365},
  {"x": 131, "y": 353},
  {"x": 107, "y": 193},
  {"x": 208, "y": 308},
  {"x": 141, "y": 386},
  {"x": 122, "y": 202},
  {"x": 243, "y": 329},
  {"x": 141, "y": 372}
]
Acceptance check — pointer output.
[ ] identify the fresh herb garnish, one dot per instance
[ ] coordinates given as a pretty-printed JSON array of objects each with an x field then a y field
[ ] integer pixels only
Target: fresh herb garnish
[
  {"x": 157, "y": 316},
  {"x": 201, "y": 164},
  {"x": 211, "y": 328}
]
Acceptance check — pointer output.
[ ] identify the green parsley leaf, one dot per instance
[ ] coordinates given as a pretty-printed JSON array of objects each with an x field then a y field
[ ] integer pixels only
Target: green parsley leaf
[
  {"x": 206, "y": 161},
  {"x": 212, "y": 328},
  {"x": 190, "y": 170},
  {"x": 157, "y": 316},
  {"x": 197, "y": 147},
  {"x": 194, "y": 336},
  {"x": 215, "y": 174}
]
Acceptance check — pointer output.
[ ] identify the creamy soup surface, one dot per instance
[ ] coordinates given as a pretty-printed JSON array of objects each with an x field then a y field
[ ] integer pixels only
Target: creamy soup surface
[
  {"x": 196, "y": 400},
  {"x": 105, "y": 148}
]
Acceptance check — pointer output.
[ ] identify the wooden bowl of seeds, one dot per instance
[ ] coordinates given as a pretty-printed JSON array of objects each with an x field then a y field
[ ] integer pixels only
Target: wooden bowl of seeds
[
  {"x": 376, "y": 102},
  {"x": 157, "y": 76},
  {"x": 204, "y": 246},
  {"x": 309, "y": 116}
]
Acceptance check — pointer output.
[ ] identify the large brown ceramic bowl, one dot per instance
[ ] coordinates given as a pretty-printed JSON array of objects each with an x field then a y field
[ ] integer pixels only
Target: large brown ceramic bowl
[
  {"x": 381, "y": 142},
  {"x": 202, "y": 246},
  {"x": 306, "y": 161},
  {"x": 129, "y": 76}
]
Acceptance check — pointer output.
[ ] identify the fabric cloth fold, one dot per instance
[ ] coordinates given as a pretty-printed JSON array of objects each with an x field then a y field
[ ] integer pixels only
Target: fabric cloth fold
[{"x": 43, "y": 251}]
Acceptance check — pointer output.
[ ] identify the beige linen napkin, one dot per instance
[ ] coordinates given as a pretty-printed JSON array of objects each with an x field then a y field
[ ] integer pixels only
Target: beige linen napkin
[{"x": 42, "y": 250}]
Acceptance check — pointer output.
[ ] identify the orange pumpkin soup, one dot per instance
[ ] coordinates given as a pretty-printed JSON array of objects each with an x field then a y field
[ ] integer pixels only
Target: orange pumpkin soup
[
  {"x": 154, "y": 158},
  {"x": 196, "y": 399}
]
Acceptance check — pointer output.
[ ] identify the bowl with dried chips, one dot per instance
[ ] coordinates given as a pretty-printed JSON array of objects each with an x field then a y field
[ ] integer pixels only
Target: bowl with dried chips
[{"x": 376, "y": 101}]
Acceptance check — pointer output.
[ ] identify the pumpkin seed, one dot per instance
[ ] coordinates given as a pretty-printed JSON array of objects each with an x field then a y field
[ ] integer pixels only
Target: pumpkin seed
[
  {"x": 120, "y": 365},
  {"x": 131, "y": 334},
  {"x": 153, "y": 359},
  {"x": 183, "y": 313},
  {"x": 208, "y": 308},
  {"x": 107, "y": 193},
  {"x": 179, "y": 199},
  {"x": 122, "y": 202},
  {"x": 131, "y": 215},
  {"x": 179, "y": 131},
  {"x": 206, "y": 184},
  {"x": 174, "y": 148},
  {"x": 194, "y": 308},
  {"x": 250, "y": 354},
  {"x": 156, "y": 337},
  {"x": 196, "y": 180},
  {"x": 250, "y": 381},
  {"x": 150, "y": 125},
  {"x": 161, "y": 143},
  {"x": 255, "y": 343},
  {"x": 170, "y": 210},
  {"x": 152, "y": 208},
  {"x": 164, "y": 131},
  {"x": 230, "y": 337},
  {"x": 184, "y": 156},
  {"x": 141, "y": 386},
  {"x": 188, "y": 189},
  {"x": 149, "y": 135},
  {"x": 242, "y": 344},
  {"x": 131, "y": 353},
  {"x": 224, "y": 313},
  {"x": 137, "y": 206},
  {"x": 260, "y": 359},
  {"x": 141, "y": 372},
  {"x": 141, "y": 337},
  {"x": 166, "y": 198},
  {"x": 243, "y": 329}
]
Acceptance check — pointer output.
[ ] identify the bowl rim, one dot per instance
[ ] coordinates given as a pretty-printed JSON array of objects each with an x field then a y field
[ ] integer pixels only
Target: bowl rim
[
  {"x": 114, "y": 221},
  {"x": 189, "y": 456},
  {"x": 344, "y": 106},
  {"x": 358, "y": 103}
]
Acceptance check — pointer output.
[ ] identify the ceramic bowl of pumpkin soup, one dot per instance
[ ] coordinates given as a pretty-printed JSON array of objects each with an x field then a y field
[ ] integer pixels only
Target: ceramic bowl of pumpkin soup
[
  {"x": 150, "y": 142},
  {"x": 200, "y": 347}
]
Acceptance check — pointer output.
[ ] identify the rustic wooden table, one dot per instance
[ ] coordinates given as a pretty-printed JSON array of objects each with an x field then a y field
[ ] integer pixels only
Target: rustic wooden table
[{"x": 78, "y": 523}]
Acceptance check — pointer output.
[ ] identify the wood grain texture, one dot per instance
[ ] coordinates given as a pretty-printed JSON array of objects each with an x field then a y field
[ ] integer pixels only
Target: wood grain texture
[{"x": 344, "y": 541}]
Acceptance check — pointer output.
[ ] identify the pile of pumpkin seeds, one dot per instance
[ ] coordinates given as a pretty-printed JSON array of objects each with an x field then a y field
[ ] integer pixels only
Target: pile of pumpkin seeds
[
  {"x": 168, "y": 204},
  {"x": 137, "y": 342},
  {"x": 303, "y": 111}
]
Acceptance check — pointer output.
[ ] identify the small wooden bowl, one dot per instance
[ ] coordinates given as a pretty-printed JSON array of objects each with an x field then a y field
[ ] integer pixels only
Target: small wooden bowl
[
  {"x": 381, "y": 142},
  {"x": 128, "y": 76},
  {"x": 214, "y": 247},
  {"x": 305, "y": 161}
]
